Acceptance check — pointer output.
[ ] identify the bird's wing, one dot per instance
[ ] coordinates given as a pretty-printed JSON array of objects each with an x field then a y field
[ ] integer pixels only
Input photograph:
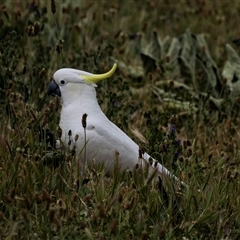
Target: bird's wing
[
  {"x": 111, "y": 142},
  {"x": 107, "y": 141}
]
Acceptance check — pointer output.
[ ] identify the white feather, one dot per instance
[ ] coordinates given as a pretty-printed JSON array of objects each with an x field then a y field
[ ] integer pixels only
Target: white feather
[{"x": 104, "y": 139}]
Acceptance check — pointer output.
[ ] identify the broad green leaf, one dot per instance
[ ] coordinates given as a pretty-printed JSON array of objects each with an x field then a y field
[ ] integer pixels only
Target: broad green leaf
[
  {"x": 171, "y": 59},
  {"x": 187, "y": 57}
]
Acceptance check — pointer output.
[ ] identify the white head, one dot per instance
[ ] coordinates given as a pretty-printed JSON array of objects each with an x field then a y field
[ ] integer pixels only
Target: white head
[{"x": 72, "y": 81}]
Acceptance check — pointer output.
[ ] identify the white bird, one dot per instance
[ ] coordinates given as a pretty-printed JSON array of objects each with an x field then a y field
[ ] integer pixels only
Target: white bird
[{"x": 104, "y": 142}]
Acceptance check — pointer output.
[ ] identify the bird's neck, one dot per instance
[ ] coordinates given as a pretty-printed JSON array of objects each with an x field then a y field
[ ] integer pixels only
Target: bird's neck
[
  {"x": 81, "y": 101},
  {"x": 82, "y": 97}
]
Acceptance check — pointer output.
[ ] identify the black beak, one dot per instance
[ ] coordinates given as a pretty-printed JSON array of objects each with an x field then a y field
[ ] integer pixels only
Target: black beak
[{"x": 53, "y": 89}]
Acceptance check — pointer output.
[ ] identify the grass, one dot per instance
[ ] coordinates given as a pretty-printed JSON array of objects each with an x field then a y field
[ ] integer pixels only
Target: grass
[{"x": 40, "y": 194}]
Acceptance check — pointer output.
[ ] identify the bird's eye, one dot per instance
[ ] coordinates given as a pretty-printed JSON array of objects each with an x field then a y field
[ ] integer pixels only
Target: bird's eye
[{"x": 63, "y": 82}]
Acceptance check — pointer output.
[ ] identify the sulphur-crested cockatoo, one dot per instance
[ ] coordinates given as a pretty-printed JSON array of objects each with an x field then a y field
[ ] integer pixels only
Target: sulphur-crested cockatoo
[{"x": 101, "y": 140}]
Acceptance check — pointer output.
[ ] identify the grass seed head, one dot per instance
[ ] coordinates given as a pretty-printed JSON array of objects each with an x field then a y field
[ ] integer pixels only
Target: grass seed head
[
  {"x": 37, "y": 198},
  {"x": 45, "y": 195},
  {"x": 82, "y": 224},
  {"x": 128, "y": 205},
  {"x": 189, "y": 152},
  {"x": 71, "y": 215},
  {"x": 76, "y": 137},
  {"x": 94, "y": 220},
  {"x": 53, "y": 6},
  {"x": 102, "y": 212},
  {"x": 27, "y": 202},
  {"x": 61, "y": 206},
  {"x": 144, "y": 235},
  {"x": 84, "y": 120},
  {"x": 51, "y": 214},
  {"x": 113, "y": 226},
  {"x": 120, "y": 198},
  {"x": 162, "y": 234},
  {"x": 12, "y": 193},
  {"x": 7, "y": 198},
  {"x": 173, "y": 119},
  {"x": 25, "y": 215}
]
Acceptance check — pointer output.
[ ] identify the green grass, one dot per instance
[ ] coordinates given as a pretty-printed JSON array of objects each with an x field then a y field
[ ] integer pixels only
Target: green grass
[{"x": 40, "y": 197}]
